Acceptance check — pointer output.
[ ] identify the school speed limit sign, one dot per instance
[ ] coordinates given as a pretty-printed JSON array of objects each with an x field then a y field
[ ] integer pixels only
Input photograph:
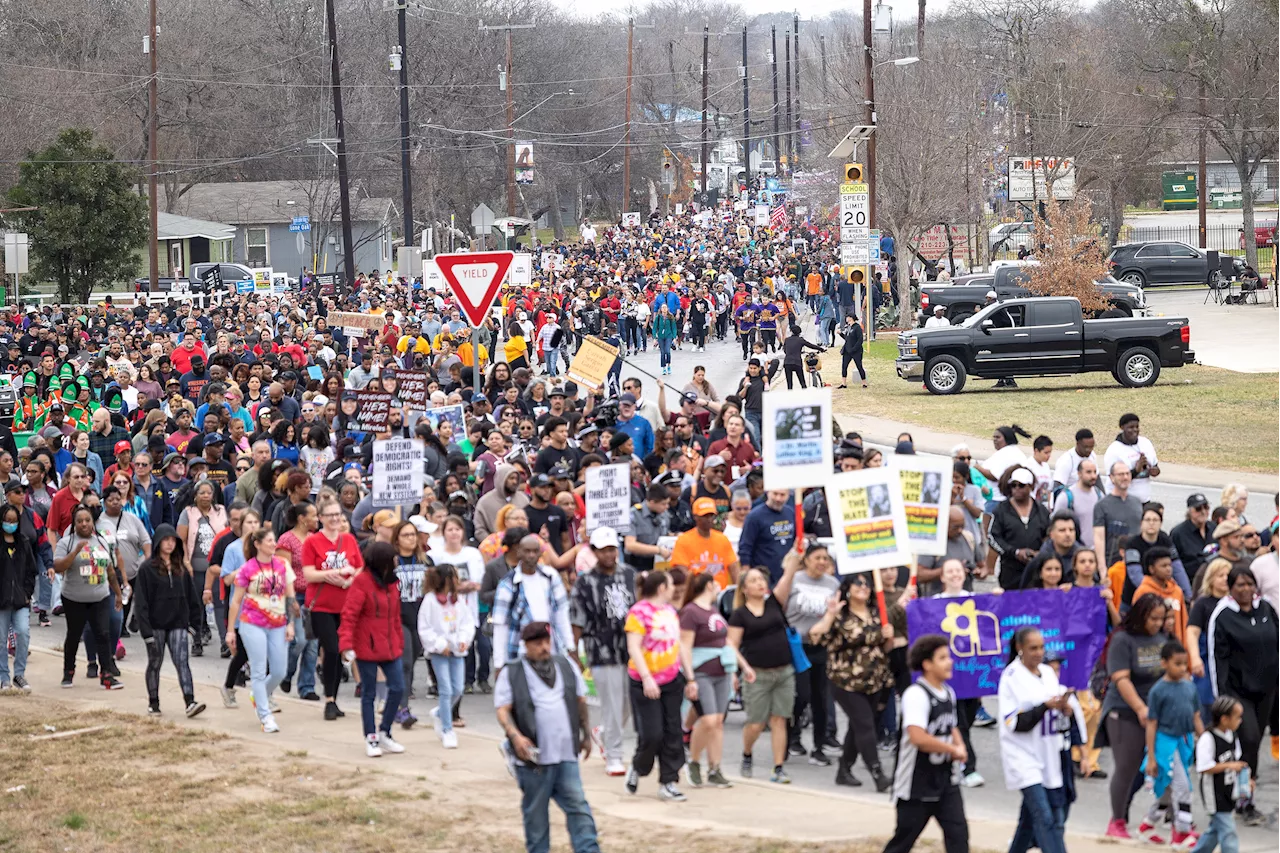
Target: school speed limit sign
[{"x": 855, "y": 209}]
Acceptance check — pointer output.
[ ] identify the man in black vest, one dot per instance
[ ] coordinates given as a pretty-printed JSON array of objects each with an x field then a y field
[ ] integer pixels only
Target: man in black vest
[{"x": 542, "y": 706}]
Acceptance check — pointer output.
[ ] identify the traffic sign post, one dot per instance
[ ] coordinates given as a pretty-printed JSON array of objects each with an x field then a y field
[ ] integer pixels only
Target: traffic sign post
[{"x": 474, "y": 279}]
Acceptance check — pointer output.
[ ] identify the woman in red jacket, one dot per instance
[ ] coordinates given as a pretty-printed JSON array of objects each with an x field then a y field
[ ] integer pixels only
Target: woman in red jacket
[{"x": 371, "y": 635}]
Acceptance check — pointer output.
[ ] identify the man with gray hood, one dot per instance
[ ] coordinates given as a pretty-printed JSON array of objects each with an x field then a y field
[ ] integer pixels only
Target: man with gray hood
[{"x": 506, "y": 490}]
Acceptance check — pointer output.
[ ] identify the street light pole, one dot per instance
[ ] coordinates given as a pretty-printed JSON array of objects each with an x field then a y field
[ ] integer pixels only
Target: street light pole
[
  {"x": 626, "y": 146},
  {"x": 869, "y": 95},
  {"x": 706, "y": 43},
  {"x": 746, "y": 115},
  {"x": 777, "y": 116}
]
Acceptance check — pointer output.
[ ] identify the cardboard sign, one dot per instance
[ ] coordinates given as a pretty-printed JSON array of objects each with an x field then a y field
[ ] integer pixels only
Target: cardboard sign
[
  {"x": 867, "y": 520},
  {"x": 411, "y": 386},
  {"x": 797, "y": 447},
  {"x": 397, "y": 471},
  {"x": 926, "y": 500},
  {"x": 593, "y": 362},
  {"x": 351, "y": 320},
  {"x": 373, "y": 410},
  {"x": 608, "y": 497}
]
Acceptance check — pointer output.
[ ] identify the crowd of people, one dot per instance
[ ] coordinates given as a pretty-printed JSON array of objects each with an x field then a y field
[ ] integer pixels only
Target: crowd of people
[{"x": 202, "y": 478}]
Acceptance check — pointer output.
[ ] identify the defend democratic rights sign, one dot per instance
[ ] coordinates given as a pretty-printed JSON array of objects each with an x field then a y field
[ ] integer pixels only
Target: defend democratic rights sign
[
  {"x": 981, "y": 628},
  {"x": 398, "y": 474}
]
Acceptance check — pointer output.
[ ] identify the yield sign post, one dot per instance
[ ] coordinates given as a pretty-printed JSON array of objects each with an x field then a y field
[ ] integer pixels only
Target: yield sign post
[{"x": 474, "y": 279}]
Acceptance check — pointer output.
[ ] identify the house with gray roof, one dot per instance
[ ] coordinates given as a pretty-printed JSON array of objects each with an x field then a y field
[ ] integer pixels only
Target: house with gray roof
[{"x": 291, "y": 225}]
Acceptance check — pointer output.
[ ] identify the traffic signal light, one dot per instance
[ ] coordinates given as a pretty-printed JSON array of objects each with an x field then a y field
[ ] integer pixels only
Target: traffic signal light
[
  {"x": 853, "y": 173},
  {"x": 857, "y": 275}
]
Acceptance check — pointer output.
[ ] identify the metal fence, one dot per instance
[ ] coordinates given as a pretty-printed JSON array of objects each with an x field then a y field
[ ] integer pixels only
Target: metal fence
[{"x": 1217, "y": 236}]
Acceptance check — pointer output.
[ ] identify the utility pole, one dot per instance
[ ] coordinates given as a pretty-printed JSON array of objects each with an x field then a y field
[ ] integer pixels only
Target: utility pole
[
  {"x": 507, "y": 83},
  {"x": 746, "y": 115},
  {"x": 626, "y": 148},
  {"x": 1202, "y": 189},
  {"x": 795, "y": 35},
  {"x": 511, "y": 135},
  {"x": 777, "y": 117},
  {"x": 706, "y": 153},
  {"x": 791, "y": 139},
  {"x": 344, "y": 190},
  {"x": 826, "y": 100},
  {"x": 406, "y": 176},
  {"x": 153, "y": 148},
  {"x": 869, "y": 96}
]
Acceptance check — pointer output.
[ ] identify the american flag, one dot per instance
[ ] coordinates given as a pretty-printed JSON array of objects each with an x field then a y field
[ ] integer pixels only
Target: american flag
[{"x": 778, "y": 216}]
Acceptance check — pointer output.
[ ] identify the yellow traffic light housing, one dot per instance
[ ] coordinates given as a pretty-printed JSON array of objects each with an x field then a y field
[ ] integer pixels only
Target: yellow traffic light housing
[
  {"x": 857, "y": 275},
  {"x": 853, "y": 173}
]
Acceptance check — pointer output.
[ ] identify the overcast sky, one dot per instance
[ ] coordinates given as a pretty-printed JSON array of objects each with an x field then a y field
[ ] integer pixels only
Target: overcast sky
[{"x": 904, "y": 11}]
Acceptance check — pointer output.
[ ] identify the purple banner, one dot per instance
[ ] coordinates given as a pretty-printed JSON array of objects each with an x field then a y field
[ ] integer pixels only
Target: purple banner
[{"x": 981, "y": 629}]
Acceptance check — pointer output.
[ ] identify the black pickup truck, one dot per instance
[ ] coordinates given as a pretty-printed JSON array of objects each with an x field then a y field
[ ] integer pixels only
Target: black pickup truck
[
  {"x": 1042, "y": 336},
  {"x": 967, "y": 294}
]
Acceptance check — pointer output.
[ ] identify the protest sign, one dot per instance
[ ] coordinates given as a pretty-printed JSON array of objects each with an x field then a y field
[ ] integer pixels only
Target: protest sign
[
  {"x": 328, "y": 283},
  {"x": 867, "y": 520},
  {"x": 980, "y": 631},
  {"x": 926, "y": 500},
  {"x": 356, "y": 325},
  {"x": 797, "y": 438},
  {"x": 608, "y": 497},
  {"x": 373, "y": 410},
  {"x": 453, "y": 414},
  {"x": 411, "y": 387},
  {"x": 593, "y": 362},
  {"x": 397, "y": 471}
]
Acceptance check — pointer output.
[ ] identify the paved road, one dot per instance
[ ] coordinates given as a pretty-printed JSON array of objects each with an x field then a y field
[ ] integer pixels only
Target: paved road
[{"x": 1235, "y": 337}]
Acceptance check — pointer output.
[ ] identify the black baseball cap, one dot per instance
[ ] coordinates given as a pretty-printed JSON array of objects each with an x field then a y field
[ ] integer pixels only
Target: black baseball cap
[
  {"x": 1196, "y": 500},
  {"x": 539, "y": 480}
]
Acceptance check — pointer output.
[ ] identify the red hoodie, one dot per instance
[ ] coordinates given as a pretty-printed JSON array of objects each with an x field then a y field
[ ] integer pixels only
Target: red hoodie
[{"x": 371, "y": 620}]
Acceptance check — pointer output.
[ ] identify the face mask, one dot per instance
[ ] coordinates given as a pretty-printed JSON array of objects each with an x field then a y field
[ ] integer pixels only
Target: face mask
[
  {"x": 9, "y": 527},
  {"x": 97, "y": 512}
]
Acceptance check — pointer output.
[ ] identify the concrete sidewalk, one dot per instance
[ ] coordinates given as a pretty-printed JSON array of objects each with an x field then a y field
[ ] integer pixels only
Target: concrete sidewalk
[
  {"x": 885, "y": 432},
  {"x": 752, "y": 809}
]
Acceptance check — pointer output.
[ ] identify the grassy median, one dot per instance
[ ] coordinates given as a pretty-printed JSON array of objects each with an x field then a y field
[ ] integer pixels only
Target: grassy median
[{"x": 1195, "y": 415}]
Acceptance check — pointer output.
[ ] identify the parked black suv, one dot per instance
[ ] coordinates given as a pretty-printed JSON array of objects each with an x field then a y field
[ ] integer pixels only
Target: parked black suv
[{"x": 1162, "y": 262}]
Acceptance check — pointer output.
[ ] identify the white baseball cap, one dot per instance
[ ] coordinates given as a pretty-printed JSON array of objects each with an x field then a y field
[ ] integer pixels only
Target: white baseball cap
[{"x": 604, "y": 537}]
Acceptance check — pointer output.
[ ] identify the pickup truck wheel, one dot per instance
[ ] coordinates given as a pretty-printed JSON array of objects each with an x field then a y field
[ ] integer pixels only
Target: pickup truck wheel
[
  {"x": 944, "y": 375},
  {"x": 1138, "y": 368},
  {"x": 1135, "y": 278}
]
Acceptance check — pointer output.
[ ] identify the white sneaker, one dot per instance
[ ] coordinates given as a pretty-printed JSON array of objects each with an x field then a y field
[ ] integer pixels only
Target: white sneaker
[
  {"x": 449, "y": 740},
  {"x": 435, "y": 719},
  {"x": 615, "y": 768},
  {"x": 269, "y": 725},
  {"x": 389, "y": 744},
  {"x": 228, "y": 697},
  {"x": 973, "y": 780},
  {"x": 371, "y": 747}
]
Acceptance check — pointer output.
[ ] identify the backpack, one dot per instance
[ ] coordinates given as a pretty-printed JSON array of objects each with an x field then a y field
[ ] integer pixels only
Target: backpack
[
  {"x": 1071, "y": 498},
  {"x": 1099, "y": 680}
]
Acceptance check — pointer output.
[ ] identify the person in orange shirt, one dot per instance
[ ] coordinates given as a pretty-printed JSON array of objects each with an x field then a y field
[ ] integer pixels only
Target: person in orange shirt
[
  {"x": 704, "y": 549},
  {"x": 813, "y": 288},
  {"x": 1157, "y": 566}
]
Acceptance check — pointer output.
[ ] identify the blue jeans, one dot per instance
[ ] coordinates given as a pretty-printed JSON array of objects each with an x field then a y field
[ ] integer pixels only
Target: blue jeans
[
  {"x": 664, "y": 348},
  {"x": 552, "y": 355},
  {"x": 624, "y": 330},
  {"x": 268, "y": 659},
  {"x": 562, "y": 783},
  {"x": 48, "y": 592},
  {"x": 1221, "y": 833},
  {"x": 303, "y": 652},
  {"x": 20, "y": 621},
  {"x": 1040, "y": 824},
  {"x": 450, "y": 671},
  {"x": 393, "y": 672},
  {"x": 478, "y": 658}
]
